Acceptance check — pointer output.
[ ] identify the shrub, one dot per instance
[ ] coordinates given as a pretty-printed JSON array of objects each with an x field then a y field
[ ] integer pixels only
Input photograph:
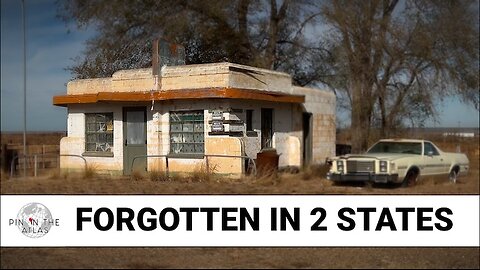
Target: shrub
[{"x": 90, "y": 171}]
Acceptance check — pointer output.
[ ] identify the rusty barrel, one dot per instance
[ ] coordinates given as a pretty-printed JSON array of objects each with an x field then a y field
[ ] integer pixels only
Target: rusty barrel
[{"x": 267, "y": 161}]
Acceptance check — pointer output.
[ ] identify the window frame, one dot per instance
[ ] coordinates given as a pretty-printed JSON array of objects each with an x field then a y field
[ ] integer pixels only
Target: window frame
[
  {"x": 433, "y": 149},
  {"x": 107, "y": 131},
  {"x": 194, "y": 132}
]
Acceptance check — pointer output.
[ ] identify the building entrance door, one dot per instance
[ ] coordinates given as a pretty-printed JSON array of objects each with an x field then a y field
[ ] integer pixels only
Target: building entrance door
[{"x": 135, "y": 139}]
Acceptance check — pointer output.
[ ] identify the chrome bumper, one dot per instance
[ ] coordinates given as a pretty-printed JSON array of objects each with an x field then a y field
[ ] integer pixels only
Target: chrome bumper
[{"x": 371, "y": 177}]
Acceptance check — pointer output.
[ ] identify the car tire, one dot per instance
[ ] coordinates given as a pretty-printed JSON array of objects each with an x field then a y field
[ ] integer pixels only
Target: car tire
[
  {"x": 453, "y": 176},
  {"x": 410, "y": 179}
]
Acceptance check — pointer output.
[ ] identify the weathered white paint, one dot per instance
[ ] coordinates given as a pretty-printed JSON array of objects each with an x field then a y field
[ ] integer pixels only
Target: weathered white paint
[{"x": 287, "y": 118}]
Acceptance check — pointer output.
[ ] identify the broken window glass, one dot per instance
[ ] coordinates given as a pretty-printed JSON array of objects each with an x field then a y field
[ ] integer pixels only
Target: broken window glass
[
  {"x": 99, "y": 132},
  {"x": 187, "y": 132}
]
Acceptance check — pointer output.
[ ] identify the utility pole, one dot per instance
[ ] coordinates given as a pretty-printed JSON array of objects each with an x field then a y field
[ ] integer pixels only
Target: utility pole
[{"x": 24, "y": 93}]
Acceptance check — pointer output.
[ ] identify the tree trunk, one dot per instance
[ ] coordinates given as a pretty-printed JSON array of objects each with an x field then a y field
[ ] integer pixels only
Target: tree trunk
[{"x": 360, "y": 126}]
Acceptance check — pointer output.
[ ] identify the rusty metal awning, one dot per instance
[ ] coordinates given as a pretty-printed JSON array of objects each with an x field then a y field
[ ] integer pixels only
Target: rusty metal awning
[{"x": 230, "y": 93}]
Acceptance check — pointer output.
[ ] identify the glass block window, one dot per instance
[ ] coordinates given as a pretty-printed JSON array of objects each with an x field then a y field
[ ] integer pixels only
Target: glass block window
[
  {"x": 98, "y": 132},
  {"x": 187, "y": 132}
]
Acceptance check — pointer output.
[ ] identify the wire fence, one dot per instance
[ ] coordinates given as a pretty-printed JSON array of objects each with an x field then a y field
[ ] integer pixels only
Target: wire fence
[{"x": 36, "y": 163}]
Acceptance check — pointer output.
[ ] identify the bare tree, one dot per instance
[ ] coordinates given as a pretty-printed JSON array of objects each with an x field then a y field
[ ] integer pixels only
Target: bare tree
[
  {"x": 253, "y": 32},
  {"x": 398, "y": 58},
  {"x": 392, "y": 60}
]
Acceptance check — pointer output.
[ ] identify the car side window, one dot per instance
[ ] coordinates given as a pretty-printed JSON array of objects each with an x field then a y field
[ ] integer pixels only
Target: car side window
[{"x": 428, "y": 147}]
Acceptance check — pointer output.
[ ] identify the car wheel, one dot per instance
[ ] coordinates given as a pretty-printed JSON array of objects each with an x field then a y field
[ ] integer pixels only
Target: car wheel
[
  {"x": 410, "y": 179},
  {"x": 453, "y": 176}
]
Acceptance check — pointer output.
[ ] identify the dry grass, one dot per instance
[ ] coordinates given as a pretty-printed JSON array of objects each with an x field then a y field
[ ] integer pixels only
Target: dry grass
[
  {"x": 314, "y": 171},
  {"x": 308, "y": 181},
  {"x": 90, "y": 171},
  {"x": 202, "y": 174},
  {"x": 137, "y": 175},
  {"x": 158, "y": 176},
  {"x": 183, "y": 184}
]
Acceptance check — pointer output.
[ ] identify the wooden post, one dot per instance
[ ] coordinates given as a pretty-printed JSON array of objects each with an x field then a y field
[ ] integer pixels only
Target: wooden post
[
  {"x": 3, "y": 157},
  {"x": 206, "y": 164},
  {"x": 35, "y": 165},
  {"x": 43, "y": 156}
]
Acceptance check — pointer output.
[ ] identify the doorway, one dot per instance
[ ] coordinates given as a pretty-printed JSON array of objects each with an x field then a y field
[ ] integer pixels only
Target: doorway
[
  {"x": 135, "y": 139},
  {"x": 267, "y": 128},
  {"x": 307, "y": 139}
]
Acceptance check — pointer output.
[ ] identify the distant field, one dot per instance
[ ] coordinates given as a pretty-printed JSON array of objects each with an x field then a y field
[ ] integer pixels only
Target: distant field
[
  {"x": 44, "y": 145},
  {"x": 33, "y": 138}
]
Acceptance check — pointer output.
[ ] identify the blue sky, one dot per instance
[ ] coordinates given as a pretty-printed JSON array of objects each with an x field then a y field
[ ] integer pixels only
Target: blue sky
[{"x": 50, "y": 50}]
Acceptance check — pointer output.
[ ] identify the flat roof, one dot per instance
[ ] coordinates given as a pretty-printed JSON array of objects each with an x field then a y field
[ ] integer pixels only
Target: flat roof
[{"x": 230, "y": 93}]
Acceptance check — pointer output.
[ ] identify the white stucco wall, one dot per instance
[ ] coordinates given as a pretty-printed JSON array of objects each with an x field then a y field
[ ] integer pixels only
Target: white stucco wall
[
  {"x": 74, "y": 144},
  {"x": 286, "y": 139}
]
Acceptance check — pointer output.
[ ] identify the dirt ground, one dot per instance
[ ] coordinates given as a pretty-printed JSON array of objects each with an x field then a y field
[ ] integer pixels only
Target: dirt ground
[{"x": 430, "y": 258}]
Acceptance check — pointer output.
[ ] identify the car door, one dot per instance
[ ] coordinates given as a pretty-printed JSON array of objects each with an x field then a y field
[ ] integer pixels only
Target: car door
[{"x": 433, "y": 161}]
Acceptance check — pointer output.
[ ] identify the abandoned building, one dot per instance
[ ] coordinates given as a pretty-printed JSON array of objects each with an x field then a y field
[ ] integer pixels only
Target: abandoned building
[{"x": 195, "y": 115}]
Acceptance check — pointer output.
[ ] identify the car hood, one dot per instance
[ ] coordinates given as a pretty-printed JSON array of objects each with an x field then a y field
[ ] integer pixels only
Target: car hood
[{"x": 381, "y": 156}]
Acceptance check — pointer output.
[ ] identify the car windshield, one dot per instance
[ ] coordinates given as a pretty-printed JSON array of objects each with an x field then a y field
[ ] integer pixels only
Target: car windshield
[{"x": 397, "y": 148}]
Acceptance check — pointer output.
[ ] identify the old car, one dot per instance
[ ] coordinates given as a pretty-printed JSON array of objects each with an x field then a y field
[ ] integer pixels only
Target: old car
[{"x": 398, "y": 161}]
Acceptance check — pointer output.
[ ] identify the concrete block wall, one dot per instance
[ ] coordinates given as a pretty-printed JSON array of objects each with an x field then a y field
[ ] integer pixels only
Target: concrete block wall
[
  {"x": 89, "y": 86},
  {"x": 216, "y": 75},
  {"x": 321, "y": 104},
  {"x": 288, "y": 134},
  {"x": 133, "y": 80},
  {"x": 286, "y": 140},
  {"x": 224, "y": 75}
]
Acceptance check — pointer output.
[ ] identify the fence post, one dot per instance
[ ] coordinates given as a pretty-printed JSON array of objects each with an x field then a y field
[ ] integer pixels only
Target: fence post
[
  {"x": 206, "y": 164},
  {"x": 166, "y": 166},
  {"x": 43, "y": 156},
  {"x": 13, "y": 166},
  {"x": 35, "y": 165},
  {"x": 4, "y": 158}
]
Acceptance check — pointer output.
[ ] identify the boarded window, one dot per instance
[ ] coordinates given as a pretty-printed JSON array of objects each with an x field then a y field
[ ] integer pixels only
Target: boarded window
[
  {"x": 99, "y": 132},
  {"x": 187, "y": 132}
]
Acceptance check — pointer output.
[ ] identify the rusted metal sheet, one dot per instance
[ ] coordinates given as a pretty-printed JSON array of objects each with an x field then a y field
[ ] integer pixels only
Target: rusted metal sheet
[{"x": 267, "y": 161}]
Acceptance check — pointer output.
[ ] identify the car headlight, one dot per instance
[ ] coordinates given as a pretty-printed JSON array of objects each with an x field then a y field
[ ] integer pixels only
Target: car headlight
[
  {"x": 383, "y": 166},
  {"x": 340, "y": 165}
]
